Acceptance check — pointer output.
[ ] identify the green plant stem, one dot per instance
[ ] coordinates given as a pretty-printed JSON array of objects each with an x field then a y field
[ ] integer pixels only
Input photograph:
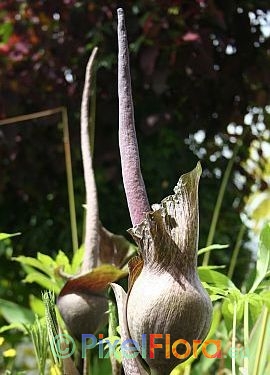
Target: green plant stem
[
  {"x": 234, "y": 339},
  {"x": 220, "y": 197},
  {"x": 71, "y": 198},
  {"x": 187, "y": 370},
  {"x": 236, "y": 250},
  {"x": 261, "y": 340},
  {"x": 246, "y": 335}
]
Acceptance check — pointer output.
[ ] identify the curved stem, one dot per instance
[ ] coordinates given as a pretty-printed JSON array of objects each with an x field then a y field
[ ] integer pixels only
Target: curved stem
[
  {"x": 133, "y": 182},
  {"x": 92, "y": 216}
]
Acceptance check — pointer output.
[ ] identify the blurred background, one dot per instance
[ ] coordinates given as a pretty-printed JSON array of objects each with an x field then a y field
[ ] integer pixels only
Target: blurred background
[{"x": 201, "y": 88}]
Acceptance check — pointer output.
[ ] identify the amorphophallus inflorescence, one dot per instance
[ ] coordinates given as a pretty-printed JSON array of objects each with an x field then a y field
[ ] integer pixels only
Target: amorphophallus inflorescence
[
  {"x": 165, "y": 294},
  {"x": 83, "y": 302}
]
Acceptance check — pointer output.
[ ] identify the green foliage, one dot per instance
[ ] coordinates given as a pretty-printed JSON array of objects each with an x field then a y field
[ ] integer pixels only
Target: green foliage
[
  {"x": 38, "y": 332},
  {"x": 180, "y": 69},
  {"x": 46, "y": 271},
  {"x": 263, "y": 258},
  {"x": 259, "y": 344},
  {"x": 4, "y": 236}
]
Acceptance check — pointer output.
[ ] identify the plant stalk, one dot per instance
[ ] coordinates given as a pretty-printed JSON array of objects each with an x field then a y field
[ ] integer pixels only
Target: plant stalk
[
  {"x": 71, "y": 197},
  {"x": 261, "y": 340},
  {"x": 246, "y": 336},
  {"x": 219, "y": 201},
  {"x": 234, "y": 339},
  {"x": 236, "y": 250}
]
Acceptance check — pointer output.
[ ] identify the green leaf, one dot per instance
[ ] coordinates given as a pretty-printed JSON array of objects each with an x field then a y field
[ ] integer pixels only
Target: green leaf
[
  {"x": 212, "y": 247},
  {"x": 63, "y": 261},
  {"x": 52, "y": 323},
  {"x": 214, "y": 292},
  {"x": 263, "y": 259},
  {"x": 47, "y": 262},
  {"x": 4, "y": 236},
  {"x": 11, "y": 326},
  {"x": 255, "y": 302},
  {"x": 42, "y": 280},
  {"x": 39, "y": 335},
  {"x": 37, "y": 306},
  {"x": 259, "y": 344},
  {"x": 14, "y": 313},
  {"x": 33, "y": 262},
  {"x": 227, "y": 309},
  {"x": 265, "y": 294},
  {"x": 216, "y": 278},
  {"x": 77, "y": 260}
]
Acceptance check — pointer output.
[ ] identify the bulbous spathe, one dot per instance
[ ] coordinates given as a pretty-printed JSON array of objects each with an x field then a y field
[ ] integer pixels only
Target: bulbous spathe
[
  {"x": 165, "y": 294},
  {"x": 167, "y": 297}
]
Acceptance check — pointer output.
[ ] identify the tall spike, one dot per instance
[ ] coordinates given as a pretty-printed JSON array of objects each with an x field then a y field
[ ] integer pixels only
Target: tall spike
[
  {"x": 132, "y": 177},
  {"x": 92, "y": 216}
]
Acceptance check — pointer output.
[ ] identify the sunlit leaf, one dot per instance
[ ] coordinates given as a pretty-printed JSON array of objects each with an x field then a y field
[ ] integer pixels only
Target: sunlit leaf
[
  {"x": 263, "y": 258},
  {"x": 14, "y": 313},
  {"x": 47, "y": 261},
  {"x": 33, "y": 262},
  {"x": 19, "y": 326},
  {"x": 4, "y": 236},
  {"x": 42, "y": 280},
  {"x": 265, "y": 294},
  {"x": 36, "y": 305},
  {"x": 62, "y": 260},
  {"x": 216, "y": 278},
  {"x": 255, "y": 302},
  {"x": 77, "y": 260},
  {"x": 259, "y": 344}
]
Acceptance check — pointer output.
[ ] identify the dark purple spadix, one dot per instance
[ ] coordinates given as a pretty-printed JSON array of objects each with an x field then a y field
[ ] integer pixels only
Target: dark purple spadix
[
  {"x": 133, "y": 182},
  {"x": 165, "y": 294}
]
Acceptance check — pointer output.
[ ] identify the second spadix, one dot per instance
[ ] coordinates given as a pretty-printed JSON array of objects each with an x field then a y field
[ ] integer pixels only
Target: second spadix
[{"x": 165, "y": 294}]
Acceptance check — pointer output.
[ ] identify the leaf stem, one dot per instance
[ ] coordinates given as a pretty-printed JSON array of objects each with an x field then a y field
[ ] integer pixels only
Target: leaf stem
[
  {"x": 219, "y": 201},
  {"x": 259, "y": 351},
  {"x": 234, "y": 339},
  {"x": 246, "y": 335},
  {"x": 71, "y": 197},
  {"x": 236, "y": 250}
]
